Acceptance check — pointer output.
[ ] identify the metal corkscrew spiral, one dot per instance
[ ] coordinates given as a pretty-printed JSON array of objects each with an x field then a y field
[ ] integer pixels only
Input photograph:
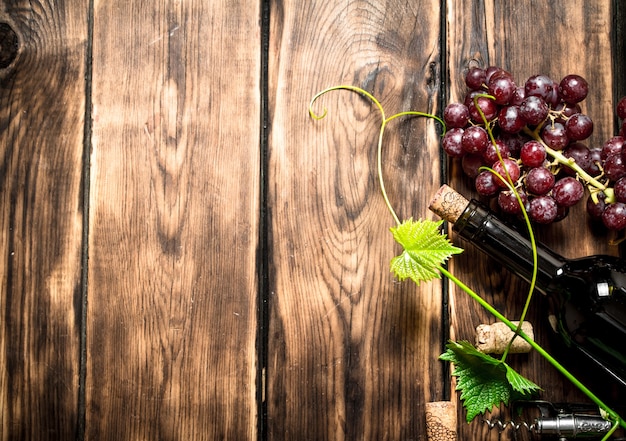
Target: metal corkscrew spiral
[
  {"x": 564, "y": 421},
  {"x": 501, "y": 426}
]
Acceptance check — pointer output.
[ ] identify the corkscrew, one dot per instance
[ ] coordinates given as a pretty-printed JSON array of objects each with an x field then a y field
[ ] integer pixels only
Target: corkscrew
[{"x": 563, "y": 421}]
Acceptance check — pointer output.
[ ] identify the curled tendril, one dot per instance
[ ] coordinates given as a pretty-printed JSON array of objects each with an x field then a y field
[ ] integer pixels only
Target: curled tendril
[
  {"x": 358, "y": 90},
  {"x": 384, "y": 122}
]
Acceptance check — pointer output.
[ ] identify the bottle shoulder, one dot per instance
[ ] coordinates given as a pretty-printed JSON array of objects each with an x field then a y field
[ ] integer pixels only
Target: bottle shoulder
[
  {"x": 600, "y": 276},
  {"x": 595, "y": 286}
]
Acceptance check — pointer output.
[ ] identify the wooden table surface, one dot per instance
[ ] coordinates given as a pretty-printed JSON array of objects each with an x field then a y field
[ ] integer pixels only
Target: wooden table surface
[{"x": 187, "y": 255}]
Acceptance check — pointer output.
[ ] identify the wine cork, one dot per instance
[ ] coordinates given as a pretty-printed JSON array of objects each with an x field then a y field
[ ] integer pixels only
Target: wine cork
[
  {"x": 448, "y": 204},
  {"x": 441, "y": 421},
  {"x": 493, "y": 339}
]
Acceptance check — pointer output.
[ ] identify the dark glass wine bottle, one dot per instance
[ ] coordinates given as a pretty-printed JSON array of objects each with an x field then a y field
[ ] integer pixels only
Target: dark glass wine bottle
[{"x": 588, "y": 295}]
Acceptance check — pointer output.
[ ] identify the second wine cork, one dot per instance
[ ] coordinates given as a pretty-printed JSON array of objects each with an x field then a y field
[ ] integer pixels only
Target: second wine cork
[{"x": 494, "y": 338}]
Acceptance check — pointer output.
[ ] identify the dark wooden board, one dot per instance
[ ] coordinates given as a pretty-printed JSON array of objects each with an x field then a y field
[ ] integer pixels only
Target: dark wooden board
[
  {"x": 42, "y": 98},
  {"x": 352, "y": 352},
  {"x": 174, "y": 215},
  {"x": 187, "y": 254}
]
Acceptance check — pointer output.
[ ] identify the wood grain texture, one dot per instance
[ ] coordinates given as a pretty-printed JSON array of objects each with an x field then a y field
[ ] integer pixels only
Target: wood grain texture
[
  {"x": 195, "y": 220},
  {"x": 42, "y": 96},
  {"x": 526, "y": 38},
  {"x": 352, "y": 353},
  {"x": 174, "y": 221}
]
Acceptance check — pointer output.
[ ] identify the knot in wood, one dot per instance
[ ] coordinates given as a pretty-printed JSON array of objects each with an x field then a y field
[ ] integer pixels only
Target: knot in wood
[{"x": 8, "y": 45}]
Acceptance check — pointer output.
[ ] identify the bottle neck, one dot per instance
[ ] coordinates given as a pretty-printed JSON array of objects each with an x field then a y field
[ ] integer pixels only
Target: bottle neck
[{"x": 507, "y": 246}]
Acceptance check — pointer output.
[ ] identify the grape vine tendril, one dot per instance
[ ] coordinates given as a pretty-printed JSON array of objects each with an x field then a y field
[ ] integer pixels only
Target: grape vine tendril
[
  {"x": 385, "y": 120},
  {"x": 511, "y": 185}
]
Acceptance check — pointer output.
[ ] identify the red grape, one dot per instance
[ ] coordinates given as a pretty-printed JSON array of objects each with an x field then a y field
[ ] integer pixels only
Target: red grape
[
  {"x": 594, "y": 209},
  {"x": 519, "y": 95},
  {"x": 595, "y": 157},
  {"x": 508, "y": 202},
  {"x": 471, "y": 165},
  {"x": 553, "y": 99},
  {"x": 573, "y": 89},
  {"x": 494, "y": 72},
  {"x": 514, "y": 142},
  {"x": 486, "y": 105},
  {"x": 614, "y": 216},
  {"x": 533, "y": 154},
  {"x": 539, "y": 180},
  {"x": 456, "y": 115},
  {"x": 555, "y": 136},
  {"x": 568, "y": 191},
  {"x": 579, "y": 126},
  {"x": 475, "y": 78},
  {"x": 502, "y": 88},
  {"x": 504, "y": 167},
  {"x": 475, "y": 139},
  {"x": 452, "y": 142},
  {"x": 534, "y": 110},
  {"x": 614, "y": 167},
  {"x": 561, "y": 213},
  {"x": 543, "y": 210},
  {"x": 539, "y": 85},
  {"x": 612, "y": 146},
  {"x": 485, "y": 184},
  {"x": 490, "y": 155},
  {"x": 510, "y": 119}
]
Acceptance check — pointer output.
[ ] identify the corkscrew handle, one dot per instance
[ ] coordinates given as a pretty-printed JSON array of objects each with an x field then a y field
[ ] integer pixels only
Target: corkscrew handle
[{"x": 572, "y": 425}]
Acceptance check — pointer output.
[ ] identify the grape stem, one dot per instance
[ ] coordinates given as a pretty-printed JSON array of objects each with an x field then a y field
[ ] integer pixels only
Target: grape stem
[{"x": 569, "y": 162}]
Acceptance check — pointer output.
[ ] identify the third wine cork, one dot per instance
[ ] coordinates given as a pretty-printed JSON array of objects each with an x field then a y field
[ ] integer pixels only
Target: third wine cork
[{"x": 494, "y": 338}]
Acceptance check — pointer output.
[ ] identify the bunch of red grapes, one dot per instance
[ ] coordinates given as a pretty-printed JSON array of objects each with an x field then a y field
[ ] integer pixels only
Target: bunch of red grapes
[{"x": 533, "y": 135}]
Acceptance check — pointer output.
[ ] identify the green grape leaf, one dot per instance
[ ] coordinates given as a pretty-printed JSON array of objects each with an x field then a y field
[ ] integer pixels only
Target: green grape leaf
[
  {"x": 425, "y": 249},
  {"x": 484, "y": 381}
]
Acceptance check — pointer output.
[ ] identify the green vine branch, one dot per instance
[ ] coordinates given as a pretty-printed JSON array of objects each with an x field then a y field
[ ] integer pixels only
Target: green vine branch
[
  {"x": 422, "y": 263},
  {"x": 611, "y": 414}
]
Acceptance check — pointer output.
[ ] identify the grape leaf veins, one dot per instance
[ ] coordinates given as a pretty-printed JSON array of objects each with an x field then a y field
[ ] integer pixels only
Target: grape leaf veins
[
  {"x": 425, "y": 249},
  {"x": 484, "y": 381}
]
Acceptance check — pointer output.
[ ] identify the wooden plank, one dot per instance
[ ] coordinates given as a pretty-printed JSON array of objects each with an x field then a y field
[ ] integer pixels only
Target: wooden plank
[
  {"x": 174, "y": 221},
  {"x": 352, "y": 353},
  {"x": 554, "y": 38},
  {"x": 42, "y": 102}
]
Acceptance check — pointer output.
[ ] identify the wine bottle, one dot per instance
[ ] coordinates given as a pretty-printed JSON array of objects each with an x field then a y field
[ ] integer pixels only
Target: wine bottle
[{"x": 587, "y": 295}]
